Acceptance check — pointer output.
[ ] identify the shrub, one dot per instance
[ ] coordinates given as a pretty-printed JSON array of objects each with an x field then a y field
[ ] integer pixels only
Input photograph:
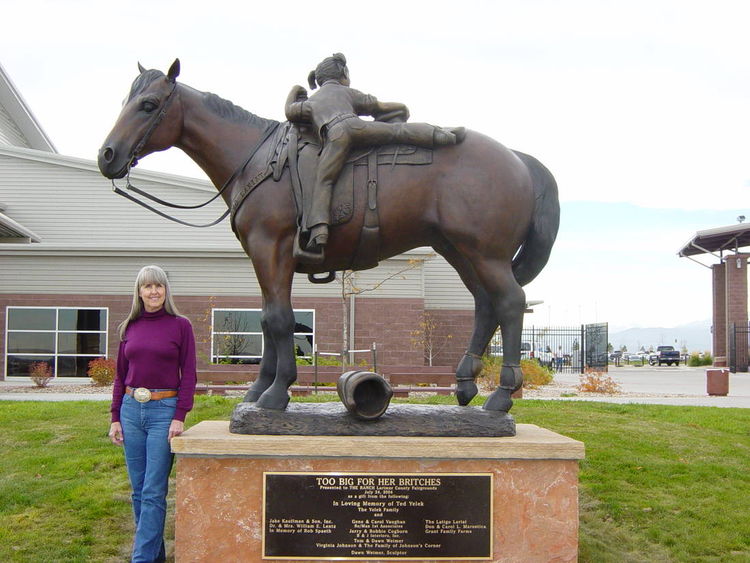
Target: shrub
[
  {"x": 534, "y": 374},
  {"x": 594, "y": 381},
  {"x": 322, "y": 361},
  {"x": 697, "y": 359},
  {"x": 102, "y": 371},
  {"x": 41, "y": 373},
  {"x": 491, "y": 367}
]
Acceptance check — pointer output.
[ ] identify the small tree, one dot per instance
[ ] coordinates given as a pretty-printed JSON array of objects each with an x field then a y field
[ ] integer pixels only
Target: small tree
[
  {"x": 429, "y": 337},
  {"x": 224, "y": 345},
  {"x": 350, "y": 289},
  {"x": 231, "y": 344},
  {"x": 41, "y": 374}
]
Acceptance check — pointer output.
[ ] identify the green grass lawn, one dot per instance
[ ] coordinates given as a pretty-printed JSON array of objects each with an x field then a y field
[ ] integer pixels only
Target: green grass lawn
[{"x": 658, "y": 483}]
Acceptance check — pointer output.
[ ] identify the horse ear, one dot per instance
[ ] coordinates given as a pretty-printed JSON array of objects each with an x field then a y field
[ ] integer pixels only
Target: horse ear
[
  {"x": 140, "y": 68},
  {"x": 174, "y": 70}
]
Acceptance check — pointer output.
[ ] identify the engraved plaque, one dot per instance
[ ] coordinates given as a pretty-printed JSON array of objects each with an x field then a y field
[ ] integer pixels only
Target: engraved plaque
[{"x": 326, "y": 516}]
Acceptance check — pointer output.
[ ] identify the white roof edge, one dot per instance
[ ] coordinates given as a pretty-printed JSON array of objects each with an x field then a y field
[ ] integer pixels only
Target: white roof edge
[
  {"x": 91, "y": 166},
  {"x": 739, "y": 228},
  {"x": 721, "y": 230},
  {"x": 19, "y": 110},
  {"x": 93, "y": 250},
  {"x": 9, "y": 223}
]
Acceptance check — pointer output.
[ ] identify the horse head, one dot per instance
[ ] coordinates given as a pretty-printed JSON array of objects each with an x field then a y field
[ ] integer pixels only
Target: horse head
[{"x": 149, "y": 122}]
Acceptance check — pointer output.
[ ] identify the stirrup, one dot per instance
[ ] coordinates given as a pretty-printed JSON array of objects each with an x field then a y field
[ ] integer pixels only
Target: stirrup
[{"x": 305, "y": 255}]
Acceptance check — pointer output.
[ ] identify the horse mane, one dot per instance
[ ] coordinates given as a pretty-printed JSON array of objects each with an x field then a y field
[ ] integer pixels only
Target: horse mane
[
  {"x": 221, "y": 107},
  {"x": 227, "y": 110}
]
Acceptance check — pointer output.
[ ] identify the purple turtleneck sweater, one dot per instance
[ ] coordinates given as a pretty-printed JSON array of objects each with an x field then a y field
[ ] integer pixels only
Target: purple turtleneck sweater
[{"x": 157, "y": 352}]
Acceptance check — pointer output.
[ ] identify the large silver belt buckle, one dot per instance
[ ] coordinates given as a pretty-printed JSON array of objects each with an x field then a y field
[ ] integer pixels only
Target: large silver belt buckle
[{"x": 142, "y": 395}]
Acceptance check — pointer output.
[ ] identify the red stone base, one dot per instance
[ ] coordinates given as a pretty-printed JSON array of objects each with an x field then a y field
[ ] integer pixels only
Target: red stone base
[{"x": 219, "y": 504}]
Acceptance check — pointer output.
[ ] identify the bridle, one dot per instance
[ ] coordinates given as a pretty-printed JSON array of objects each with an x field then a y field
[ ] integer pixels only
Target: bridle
[
  {"x": 133, "y": 160},
  {"x": 155, "y": 121}
]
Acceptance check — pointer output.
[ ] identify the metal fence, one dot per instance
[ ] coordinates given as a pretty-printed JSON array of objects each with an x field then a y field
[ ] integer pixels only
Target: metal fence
[
  {"x": 567, "y": 349},
  {"x": 739, "y": 336}
]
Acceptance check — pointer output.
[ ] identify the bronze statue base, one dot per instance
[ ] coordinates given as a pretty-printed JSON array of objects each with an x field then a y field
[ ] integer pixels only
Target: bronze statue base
[{"x": 332, "y": 419}]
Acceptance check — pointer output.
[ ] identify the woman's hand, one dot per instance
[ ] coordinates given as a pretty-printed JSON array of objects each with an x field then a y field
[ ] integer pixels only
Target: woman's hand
[
  {"x": 115, "y": 433},
  {"x": 176, "y": 428}
]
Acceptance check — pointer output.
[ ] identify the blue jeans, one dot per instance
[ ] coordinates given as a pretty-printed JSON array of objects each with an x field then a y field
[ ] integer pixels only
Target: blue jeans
[{"x": 145, "y": 428}]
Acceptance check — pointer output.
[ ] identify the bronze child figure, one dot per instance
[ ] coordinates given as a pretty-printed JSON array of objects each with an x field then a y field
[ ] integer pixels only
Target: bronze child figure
[{"x": 333, "y": 111}]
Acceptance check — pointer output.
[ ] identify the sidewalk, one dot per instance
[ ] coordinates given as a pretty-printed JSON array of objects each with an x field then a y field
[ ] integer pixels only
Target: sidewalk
[
  {"x": 57, "y": 390},
  {"x": 666, "y": 385}
]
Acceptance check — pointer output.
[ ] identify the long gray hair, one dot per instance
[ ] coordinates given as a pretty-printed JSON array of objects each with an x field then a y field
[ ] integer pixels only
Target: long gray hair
[{"x": 147, "y": 275}]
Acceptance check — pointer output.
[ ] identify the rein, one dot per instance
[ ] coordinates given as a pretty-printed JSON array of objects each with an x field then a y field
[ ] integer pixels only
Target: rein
[{"x": 133, "y": 160}]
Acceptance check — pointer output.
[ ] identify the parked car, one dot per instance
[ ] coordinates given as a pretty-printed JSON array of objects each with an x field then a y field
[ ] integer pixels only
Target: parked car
[
  {"x": 636, "y": 358},
  {"x": 665, "y": 355}
]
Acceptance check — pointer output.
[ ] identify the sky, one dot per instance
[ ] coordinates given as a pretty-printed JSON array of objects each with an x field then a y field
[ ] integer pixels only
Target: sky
[{"x": 641, "y": 109}]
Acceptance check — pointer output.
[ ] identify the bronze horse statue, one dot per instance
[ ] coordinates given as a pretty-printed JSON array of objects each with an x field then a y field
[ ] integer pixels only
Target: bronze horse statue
[{"x": 491, "y": 212}]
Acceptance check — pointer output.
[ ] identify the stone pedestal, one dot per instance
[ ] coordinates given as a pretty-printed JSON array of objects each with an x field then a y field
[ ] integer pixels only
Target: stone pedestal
[
  {"x": 220, "y": 485},
  {"x": 717, "y": 382}
]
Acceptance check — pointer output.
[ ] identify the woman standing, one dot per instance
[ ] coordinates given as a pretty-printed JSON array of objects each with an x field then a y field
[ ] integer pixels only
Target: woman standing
[{"x": 153, "y": 391}]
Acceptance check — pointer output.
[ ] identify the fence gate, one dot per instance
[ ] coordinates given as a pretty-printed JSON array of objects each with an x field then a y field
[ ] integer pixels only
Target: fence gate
[
  {"x": 596, "y": 345},
  {"x": 567, "y": 349},
  {"x": 739, "y": 335}
]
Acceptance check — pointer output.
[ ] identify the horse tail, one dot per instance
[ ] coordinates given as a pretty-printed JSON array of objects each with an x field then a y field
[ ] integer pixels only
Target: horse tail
[{"x": 545, "y": 221}]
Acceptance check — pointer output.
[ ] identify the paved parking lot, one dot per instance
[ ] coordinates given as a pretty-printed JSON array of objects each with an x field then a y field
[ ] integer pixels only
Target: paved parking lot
[{"x": 668, "y": 385}]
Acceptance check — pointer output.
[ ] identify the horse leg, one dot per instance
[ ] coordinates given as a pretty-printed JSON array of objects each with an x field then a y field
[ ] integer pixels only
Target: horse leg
[
  {"x": 274, "y": 270},
  {"x": 267, "y": 365},
  {"x": 509, "y": 302},
  {"x": 279, "y": 318},
  {"x": 485, "y": 325},
  {"x": 470, "y": 366}
]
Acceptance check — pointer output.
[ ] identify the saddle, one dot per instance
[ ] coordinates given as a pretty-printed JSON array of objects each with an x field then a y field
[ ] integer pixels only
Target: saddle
[
  {"x": 294, "y": 148},
  {"x": 360, "y": 173}
]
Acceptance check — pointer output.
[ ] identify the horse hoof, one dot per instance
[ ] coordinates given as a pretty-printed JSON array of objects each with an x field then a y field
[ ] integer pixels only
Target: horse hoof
[
  {"x": 499, "y": 401},
  {"x": 251, "y": 396},
  {"x": 256, "y": 390},
  {"x": 273, "y": 402},
  {"x": 465, "y": 392}
]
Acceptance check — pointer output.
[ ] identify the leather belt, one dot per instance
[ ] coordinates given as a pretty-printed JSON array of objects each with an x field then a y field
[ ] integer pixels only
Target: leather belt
[
  {"x": 340, "y": 118},
  {"x": 143, "y": 395}
]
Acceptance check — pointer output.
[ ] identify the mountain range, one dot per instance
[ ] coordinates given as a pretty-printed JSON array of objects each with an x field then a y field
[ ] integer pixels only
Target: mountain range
[{"x": 695, "y": 336}]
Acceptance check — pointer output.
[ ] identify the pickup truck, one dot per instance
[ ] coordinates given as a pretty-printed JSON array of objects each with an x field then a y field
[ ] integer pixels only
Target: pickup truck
[{"x": 665, "y": 355}]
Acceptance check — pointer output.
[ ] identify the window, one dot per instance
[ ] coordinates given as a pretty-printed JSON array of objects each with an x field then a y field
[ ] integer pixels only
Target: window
[
  {"x": 67, "y": 338},
  {"x": 237, "y": 337}
]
